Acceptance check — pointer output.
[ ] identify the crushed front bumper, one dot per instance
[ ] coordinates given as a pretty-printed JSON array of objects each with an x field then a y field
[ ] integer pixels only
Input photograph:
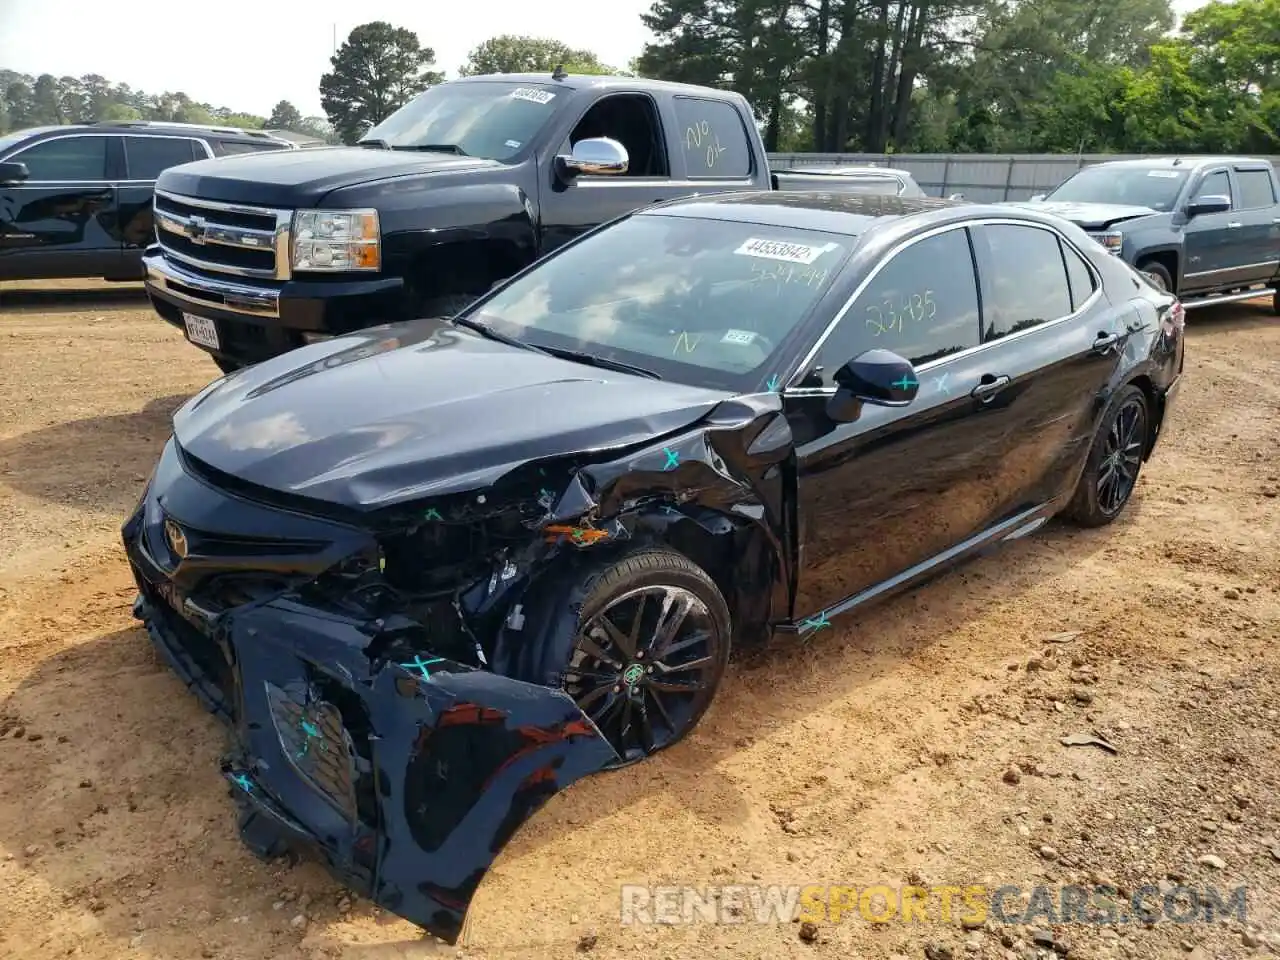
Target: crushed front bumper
[{"x": 405, "y": 779}]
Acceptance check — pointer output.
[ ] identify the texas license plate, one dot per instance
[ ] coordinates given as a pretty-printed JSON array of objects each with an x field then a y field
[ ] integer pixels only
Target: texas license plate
[{"x": 201, "y": 331}]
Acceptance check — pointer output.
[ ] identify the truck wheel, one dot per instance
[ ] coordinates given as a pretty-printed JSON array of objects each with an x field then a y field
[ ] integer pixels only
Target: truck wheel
[
  {"x": 1157, "y": 275},
  {"x": 651, "y": 646},
  {"x": 1275, "y": 302},
  {"x": 1115, "y": 460}
]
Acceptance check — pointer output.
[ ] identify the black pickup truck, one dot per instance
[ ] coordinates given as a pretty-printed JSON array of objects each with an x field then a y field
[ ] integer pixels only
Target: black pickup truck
[
  {"x": 462, "y": 187},
  {"x": 1205, "y": 228}
]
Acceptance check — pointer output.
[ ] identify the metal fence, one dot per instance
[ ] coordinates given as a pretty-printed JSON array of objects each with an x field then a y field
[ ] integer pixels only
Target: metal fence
[{"x": 982, "y": 177}]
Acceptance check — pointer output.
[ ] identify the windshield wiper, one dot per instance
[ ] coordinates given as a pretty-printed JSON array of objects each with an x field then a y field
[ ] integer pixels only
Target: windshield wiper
[
  {"x": 595, "y": 360},
  {"x": 435, "y": 148},
  {"x": 376, "y": 144},
  {"x": 487, "y": 331}
]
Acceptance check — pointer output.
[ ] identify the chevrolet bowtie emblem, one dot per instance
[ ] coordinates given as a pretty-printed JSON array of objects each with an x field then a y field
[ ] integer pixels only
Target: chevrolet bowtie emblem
[{"x": 197, "y": 228}]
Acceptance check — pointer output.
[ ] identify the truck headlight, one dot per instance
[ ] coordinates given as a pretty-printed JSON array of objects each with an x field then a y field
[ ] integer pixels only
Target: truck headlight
[
  {"x": 336, "y": 240},
  {"x": 1111, "y": 240}
]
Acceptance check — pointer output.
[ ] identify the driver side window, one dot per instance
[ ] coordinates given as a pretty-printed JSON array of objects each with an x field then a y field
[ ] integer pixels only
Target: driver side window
[
  {"x": 922, "y": 305},
  {"x": 1216, "y": 184},
  {"x": 632, "y": 120}
]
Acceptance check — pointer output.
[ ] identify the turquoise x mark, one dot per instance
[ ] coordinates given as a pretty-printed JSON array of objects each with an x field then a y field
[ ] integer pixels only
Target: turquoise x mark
[
  {"x": 773, "y": 384},
  {"x": 432, "y": 514},
  {"x": 906, "y": 382},
  {"x": 243, "y": 782},
  {"x": 421, "y": 665},
  {"x": 816, "y": 623},
  {"x": 673, "y": 458},
  {"x": 312, "y": 731}
]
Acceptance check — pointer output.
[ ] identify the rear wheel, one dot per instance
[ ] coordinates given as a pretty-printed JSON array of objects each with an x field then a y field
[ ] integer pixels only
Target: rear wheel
[
  {"x": 1275, "y": 302},
  {"x": 1157, "y": 275},
  {"x": 651, "y": 646},
  {"x": 1115, "y": 460}
]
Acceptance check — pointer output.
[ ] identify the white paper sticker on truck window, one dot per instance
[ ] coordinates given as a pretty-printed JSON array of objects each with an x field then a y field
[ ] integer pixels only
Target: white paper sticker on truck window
[
  {"x": 532, "y": 95},
  {"x": 1163, "y": 174},
  {"x": 778, "y": 250},
  {"x": 744, "y": 337},
  {"x": 513, "y": 144}
]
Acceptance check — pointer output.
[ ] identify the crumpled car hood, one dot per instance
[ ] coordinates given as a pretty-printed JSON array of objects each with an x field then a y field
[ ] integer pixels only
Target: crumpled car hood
[
  {"x": 1091, "y": 215},
  {"x": 421, "y": 409}
]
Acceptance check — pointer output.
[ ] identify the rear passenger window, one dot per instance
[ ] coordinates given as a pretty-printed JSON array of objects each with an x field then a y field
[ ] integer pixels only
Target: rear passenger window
[
  {"x": 147, "y": 156},
  {"x": 1024, "y": 283},
  {"x": 712, "y": 138},
  {"x": 1079, "y": 275},
  {"x": 1255, "y": 189},
  {"x": 922, "y": 305}
]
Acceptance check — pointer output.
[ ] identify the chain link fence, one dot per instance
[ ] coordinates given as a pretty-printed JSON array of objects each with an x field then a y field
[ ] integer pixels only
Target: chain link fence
[{"x": 981, "y": 177}]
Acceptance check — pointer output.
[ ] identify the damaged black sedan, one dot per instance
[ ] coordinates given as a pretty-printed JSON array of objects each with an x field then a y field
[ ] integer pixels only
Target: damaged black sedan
[{"x": 432, "y": 573}]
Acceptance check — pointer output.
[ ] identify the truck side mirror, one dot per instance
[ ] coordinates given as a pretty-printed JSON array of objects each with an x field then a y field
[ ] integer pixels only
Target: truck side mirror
[
  {"x": 11, "y": 171},
  {"x": 1215, "y": 203},
  {"x": 594, "y": 156}
]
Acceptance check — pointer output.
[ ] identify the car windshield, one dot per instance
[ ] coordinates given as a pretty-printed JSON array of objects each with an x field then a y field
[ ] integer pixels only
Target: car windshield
[
  {"x": 698, "y": 301},
  {"x": 477, "y": 119},
  {"x": 1157, "y": 188}
]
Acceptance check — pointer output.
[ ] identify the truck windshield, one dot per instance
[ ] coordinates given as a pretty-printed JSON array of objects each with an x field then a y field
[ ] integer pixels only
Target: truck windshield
[
  {"x": 476, "y": 119},
  {"x": 704, "y": 302},
  {"x": 1157, "y": 188}
]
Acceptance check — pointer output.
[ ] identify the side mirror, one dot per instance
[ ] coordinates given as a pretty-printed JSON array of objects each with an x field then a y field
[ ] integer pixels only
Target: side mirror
[
  {"x": 595, "y": 156},
  {"x": 1215, "y": 203},
  {"x": 13, "y": 172},
  {"x": 878, "y": 377},
  {"x": 1038, "y": 197}
]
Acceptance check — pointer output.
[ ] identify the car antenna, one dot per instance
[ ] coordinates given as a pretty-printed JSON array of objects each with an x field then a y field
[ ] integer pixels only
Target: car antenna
[{"x": 558, "y": 73}]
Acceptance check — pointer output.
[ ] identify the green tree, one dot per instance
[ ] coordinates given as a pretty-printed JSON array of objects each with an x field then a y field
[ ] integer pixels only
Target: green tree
[
  {"x": 284, "y": 116},
  {"x": 509, "y": 53},
  {"x": 377, "y": 70}
]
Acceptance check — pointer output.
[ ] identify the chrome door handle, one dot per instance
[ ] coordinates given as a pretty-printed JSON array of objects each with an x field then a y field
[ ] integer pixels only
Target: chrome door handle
[
  {"x": 1105, "y": 341},
  {"x": 987, "y": 390},
  {"x": 1235, "y": 223}
]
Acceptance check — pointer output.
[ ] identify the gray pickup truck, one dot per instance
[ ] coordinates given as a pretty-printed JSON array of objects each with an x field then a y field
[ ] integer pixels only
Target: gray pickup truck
[{"x": 1205, "y": 228}]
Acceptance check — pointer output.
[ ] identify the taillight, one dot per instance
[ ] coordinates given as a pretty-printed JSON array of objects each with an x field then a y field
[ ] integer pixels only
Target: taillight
[{"x": 1178, "y": 314}]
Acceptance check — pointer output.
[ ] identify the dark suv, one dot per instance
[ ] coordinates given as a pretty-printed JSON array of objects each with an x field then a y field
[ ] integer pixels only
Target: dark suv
[{"x": 75, "y": 201}]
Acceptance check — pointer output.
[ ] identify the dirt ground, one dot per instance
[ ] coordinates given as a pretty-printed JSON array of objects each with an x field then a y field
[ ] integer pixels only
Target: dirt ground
[{"x": 918, "y": 743}]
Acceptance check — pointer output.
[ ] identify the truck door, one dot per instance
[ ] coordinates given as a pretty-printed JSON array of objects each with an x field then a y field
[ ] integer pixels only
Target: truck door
[
  {"x": 1259, "y": 219},
  {"x": 574, "y": 206},
  {"x": 61, "y": 220},
  {"x": 1212, "y": 240},
  {"x": 145, "y": 157}
]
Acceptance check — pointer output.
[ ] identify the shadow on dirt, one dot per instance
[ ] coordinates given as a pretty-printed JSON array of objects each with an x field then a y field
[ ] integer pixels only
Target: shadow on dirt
[
  {"x": 61, "y": 300},
  {"x": 98, "y": 463},
  {"x": 1239, "y": 316},
  {"x": 135, "y": 825}
]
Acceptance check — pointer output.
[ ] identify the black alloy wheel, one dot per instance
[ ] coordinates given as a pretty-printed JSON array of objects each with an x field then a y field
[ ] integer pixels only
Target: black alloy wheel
[
  {"x": 646, "y": 661},
  {"x": 1122, "y": 456},
  {"x": 1115, "y": 461}
]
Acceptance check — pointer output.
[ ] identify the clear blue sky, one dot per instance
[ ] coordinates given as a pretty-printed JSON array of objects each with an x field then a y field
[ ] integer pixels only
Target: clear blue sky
[{"x": 248, "y": 54}]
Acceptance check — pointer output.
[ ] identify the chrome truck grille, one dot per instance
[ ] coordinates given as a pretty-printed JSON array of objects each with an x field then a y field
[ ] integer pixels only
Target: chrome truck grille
[{"x": 226, "y": 238}]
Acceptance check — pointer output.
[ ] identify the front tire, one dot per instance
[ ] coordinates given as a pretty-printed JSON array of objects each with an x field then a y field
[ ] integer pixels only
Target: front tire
[
  {"x": 651, "y": 646},
  {"x": 1115, "y": 461}
]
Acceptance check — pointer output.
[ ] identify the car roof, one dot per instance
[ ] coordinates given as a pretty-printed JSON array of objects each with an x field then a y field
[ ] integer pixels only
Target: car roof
[
  {"x": 149, "y": 127},
  {"x": 853, "y": 168},
  {"x": 850, "y": 214},
  {"x": 589, "y": 81},
  {"x": 1176, "y": 163}
]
